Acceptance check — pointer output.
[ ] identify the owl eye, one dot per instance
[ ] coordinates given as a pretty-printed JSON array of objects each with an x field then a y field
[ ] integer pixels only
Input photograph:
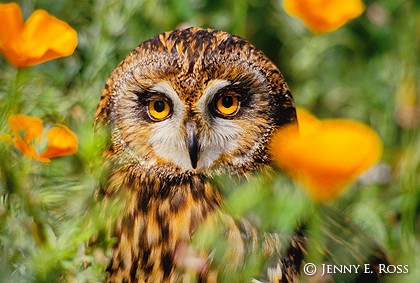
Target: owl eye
[
  {"x": 227, "y": 105},
  {"x": 158, "y": 110}
]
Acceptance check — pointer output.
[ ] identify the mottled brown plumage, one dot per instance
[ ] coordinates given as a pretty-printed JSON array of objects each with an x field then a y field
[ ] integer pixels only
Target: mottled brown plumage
[
  {"x": 164, "y": 192},
  {"x": 182, "y": 107}
]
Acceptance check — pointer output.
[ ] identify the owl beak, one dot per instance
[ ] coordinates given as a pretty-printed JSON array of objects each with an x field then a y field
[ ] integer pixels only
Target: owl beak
[{"x": 192, "y": 143}]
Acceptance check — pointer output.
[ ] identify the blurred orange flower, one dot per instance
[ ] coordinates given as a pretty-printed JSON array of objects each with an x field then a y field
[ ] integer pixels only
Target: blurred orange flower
[
  {"x": 325, "y": 156},
  {"x": 41, "y": 38},
  {"x": 28, "y": 133},
  {"x": 322, "y": 16}
]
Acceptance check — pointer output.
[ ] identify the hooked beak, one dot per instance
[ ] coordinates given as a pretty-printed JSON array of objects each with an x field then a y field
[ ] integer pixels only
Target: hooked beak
[{"x": 192, "y": 143}]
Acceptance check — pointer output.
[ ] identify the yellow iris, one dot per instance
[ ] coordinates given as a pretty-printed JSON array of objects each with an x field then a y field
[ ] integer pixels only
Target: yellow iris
[
  {"x": 227, "y": 105},
  {"x": 159, "y": 109}
]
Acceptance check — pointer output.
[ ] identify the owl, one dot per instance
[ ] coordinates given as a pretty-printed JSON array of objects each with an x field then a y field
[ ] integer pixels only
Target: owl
[{"x": 182, "y": 107}]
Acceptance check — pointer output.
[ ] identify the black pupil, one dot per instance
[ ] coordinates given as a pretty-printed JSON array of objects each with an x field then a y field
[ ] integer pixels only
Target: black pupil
[
  {"x": 159, "y": 106},
  {"x": 227, "y": 101}
]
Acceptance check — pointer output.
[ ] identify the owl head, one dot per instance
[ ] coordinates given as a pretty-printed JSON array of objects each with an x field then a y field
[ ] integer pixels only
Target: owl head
[{"x": 194, "y": 101}]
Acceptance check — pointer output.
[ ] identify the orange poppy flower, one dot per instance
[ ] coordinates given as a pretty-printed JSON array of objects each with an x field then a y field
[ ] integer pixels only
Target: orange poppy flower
[
  {"x": 325, "y": 156},
  {"x": 41, "y": 38},
  {"x": 322, "y": 16},
  {"x": 27, "y": 137},
  {"x": 61, "y": 141}
]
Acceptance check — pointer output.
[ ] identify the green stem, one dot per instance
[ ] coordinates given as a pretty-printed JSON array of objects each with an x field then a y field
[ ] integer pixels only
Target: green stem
[
  {"x": 13, "y": 98},
  {"x": 410, "y": 168},
  {"x": 316, "y": 238},
  {"x": 409, "y": 190}
]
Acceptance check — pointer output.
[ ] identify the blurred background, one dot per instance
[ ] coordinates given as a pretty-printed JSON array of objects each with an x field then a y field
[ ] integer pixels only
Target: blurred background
[{"x": 367, "y": 70}]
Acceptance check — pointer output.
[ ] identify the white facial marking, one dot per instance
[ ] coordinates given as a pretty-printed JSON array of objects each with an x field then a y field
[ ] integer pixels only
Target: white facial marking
[
  {"x": 219, "y": 136},
  {"x": 168, "y": 137}
]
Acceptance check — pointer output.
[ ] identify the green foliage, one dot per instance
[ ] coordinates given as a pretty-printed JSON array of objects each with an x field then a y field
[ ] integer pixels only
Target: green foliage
[{"x": 53, "y": 230}]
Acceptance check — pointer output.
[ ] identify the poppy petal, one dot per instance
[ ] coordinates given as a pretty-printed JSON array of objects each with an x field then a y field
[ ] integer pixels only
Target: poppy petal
[
  {"x": 42, "y": 38},
  {"x": 61, "y": 141},
  {"x": 25, "y": 129},
  {"x": 327, "y": 155},
  {"x": 30, "y": 127},
  {"x": 47, "y": 38},
  {"x": 322, "y": 16},
  {"x": 11, "y": 22}
]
